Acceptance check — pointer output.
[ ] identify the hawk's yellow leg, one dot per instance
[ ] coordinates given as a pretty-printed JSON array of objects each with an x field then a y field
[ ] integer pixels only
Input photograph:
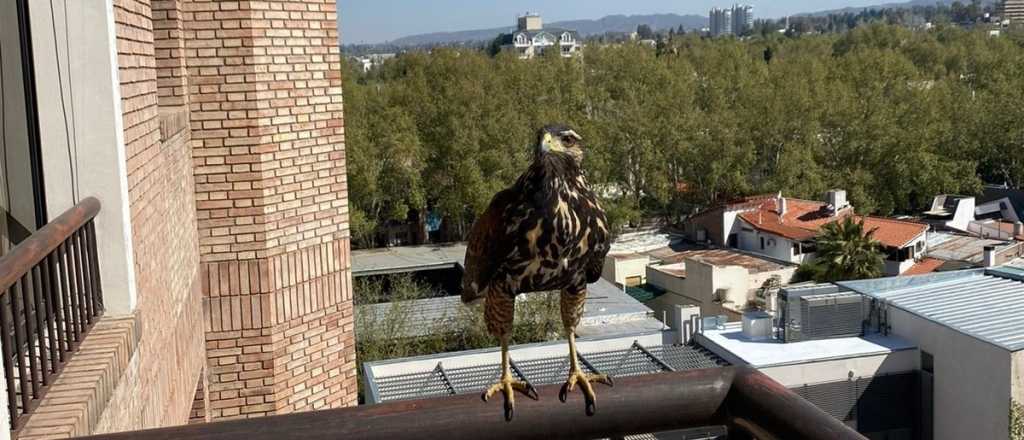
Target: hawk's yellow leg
[
  {"x": 507, "y": 385},
  {"x": 577, "y": 376}
]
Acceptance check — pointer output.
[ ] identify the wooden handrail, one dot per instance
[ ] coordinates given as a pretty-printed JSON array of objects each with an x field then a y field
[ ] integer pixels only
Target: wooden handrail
[
  {"x": 748, "y": 402},
  {"x": 30, "y": 252},
  {"x": 50, "y": 296}
]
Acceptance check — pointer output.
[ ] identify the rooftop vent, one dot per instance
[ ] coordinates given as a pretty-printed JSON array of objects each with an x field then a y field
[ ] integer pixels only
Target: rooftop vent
[{"x": 757, "y": 326}]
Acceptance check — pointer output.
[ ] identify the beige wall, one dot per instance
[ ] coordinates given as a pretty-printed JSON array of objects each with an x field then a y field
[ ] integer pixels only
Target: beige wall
[
  {"x": 703, "y": 280},
  {"x": 617, "y": 270},
  {"x": 843, "y": 369},
  {"x": 972, "y": 379},
  {"x": 1017, "y": 386}
]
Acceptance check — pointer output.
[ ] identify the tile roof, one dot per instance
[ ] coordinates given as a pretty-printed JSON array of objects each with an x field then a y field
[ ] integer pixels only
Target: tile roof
[
  {"x": 802, "y": 220},
  {"x": 927, "y": 265},
  {"x": 894, "y": 233}
]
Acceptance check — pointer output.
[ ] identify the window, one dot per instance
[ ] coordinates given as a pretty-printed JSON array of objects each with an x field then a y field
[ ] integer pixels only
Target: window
[
  {"x": 762, "y": 243},
  {"x": 520, "y": 39},
  {"x": 21, "y": 186},
  {"x": 566, "y": 37},
  {"x": 927, "y": 362}
]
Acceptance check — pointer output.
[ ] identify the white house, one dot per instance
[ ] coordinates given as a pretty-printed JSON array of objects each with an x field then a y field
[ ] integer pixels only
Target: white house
[
  {"x": 531, "y": 38},
  {"x": 786, "y": 229}
]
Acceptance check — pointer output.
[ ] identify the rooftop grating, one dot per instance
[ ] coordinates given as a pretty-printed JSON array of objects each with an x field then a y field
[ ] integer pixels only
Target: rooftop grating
[
  {"x": 633, "y": 361},
  {"x": 987, "y": 305}
]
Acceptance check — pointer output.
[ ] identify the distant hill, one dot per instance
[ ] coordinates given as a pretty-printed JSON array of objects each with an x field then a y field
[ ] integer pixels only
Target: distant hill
[
  {"x": 900, "y": 5},
  {"x": 611, "y": 23}
]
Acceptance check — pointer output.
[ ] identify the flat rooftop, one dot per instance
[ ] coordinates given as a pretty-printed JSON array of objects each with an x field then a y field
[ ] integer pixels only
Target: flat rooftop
[
  {"x": 384, "y": 261},
  {"x": 673, "y": 258},
  {"x": 730, "y": 343},
  {"x": 608, "y": 311},
  {"x": 958, "y": 247},
  {"x": 987, "y": 304}
]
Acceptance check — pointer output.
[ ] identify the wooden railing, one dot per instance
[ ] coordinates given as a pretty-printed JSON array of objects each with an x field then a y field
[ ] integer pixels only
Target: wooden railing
[
  {"x": 49, "y": 299},
  {"x": 746, "y": 402}
]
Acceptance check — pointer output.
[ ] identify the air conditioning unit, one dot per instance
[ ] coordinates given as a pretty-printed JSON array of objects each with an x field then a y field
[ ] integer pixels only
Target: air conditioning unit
[{"x": 757, "y": 326}]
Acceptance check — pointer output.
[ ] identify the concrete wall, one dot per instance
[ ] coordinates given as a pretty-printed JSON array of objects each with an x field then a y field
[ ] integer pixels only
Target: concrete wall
[
  {"x": 843, "y": 369},
  {"x": 775, "y": 247},
  {"x": 1017, "y": 384},
  {"x": 617, "y": 270},
  {"x": 81, "y": 130},
  {"x": 972, "y": 379}
]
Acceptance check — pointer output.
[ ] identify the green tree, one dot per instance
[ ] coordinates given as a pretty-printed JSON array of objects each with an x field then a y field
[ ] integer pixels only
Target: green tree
[{"x": 846, "y": 251}]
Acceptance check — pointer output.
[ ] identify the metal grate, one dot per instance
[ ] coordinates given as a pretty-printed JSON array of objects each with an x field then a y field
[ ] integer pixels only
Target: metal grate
[{"x": 635, "y": 360}]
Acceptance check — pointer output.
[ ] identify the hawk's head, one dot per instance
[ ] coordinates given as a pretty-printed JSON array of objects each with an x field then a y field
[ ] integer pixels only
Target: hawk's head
[{"x": 559, "y": 139}]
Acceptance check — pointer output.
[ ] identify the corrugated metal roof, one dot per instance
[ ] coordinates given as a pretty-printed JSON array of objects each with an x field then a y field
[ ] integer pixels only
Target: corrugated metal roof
[
  {"x": 988, "y": 304},
  {"x": 633, "y": 361}
]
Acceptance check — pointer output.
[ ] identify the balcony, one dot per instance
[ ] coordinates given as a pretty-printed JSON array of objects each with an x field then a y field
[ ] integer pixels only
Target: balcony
[
  {"x": 50, "y": 301},
  {"x": 744, "y": 401}
]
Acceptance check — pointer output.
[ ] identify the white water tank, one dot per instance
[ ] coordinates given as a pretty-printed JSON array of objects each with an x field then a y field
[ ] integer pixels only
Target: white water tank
[{"x": 757, "y": 326}]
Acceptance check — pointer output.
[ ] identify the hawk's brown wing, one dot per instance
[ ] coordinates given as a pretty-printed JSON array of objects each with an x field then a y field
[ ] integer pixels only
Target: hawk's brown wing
[{"x": 488, "y": 245}]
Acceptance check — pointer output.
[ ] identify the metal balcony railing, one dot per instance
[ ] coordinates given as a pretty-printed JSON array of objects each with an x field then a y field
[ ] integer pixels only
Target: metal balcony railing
[
  {"x": 748, "y": 403},
  {"x": 49, "y": 299}
]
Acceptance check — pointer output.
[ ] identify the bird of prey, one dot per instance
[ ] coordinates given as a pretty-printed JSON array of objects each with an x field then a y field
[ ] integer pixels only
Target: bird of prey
[{"x": 547, "y": 232}]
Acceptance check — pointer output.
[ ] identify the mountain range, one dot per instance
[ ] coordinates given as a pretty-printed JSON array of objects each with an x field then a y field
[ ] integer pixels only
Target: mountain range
[
  {"x": 611, "y": 23},
  {"x": 628, "y": 23}
]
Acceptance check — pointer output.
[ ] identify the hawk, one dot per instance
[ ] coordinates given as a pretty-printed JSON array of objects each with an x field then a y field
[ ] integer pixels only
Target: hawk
[{"x": 547, "y": 232}]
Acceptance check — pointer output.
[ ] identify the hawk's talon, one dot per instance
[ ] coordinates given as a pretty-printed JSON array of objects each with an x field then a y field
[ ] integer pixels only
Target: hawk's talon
[
  {"x": 584, "y": 379},
  {"x": 508, "y": 386}
]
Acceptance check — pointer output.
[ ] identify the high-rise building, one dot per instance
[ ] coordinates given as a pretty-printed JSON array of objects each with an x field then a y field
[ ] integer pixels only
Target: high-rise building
[
  {"x": 1014, "y": 11},
  {"x": 742, "y": 19},
  {"x": 721, "y": 22},
  {"x": 733, "y": 21}
]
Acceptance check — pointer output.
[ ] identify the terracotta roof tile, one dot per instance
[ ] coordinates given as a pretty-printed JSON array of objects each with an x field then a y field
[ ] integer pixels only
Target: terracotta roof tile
[
  {"x": 894, "y": 233},
  {"x": 927, "y": 265},
  {"x": 802, "y": 220}
]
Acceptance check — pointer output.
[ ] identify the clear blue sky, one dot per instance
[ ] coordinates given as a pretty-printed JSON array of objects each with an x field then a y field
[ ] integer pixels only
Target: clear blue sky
[{"x": 374, "y": 21}]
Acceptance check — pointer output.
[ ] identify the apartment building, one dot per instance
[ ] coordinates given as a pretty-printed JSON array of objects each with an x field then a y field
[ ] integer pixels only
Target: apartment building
[{"x": 176, "y": 241}]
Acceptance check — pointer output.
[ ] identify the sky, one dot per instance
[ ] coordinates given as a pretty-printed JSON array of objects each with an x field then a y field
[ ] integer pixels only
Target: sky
[{"x": 375, "y": 21}]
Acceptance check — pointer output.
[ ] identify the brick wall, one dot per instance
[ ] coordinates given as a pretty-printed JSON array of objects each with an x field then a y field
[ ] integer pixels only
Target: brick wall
[
  {"x": 264, "y": 93},
  {"x": 159, "y": 386}
]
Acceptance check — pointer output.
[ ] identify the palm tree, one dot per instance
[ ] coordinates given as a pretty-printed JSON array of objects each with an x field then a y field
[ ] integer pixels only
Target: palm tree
[{"x": 847, "y": 252}]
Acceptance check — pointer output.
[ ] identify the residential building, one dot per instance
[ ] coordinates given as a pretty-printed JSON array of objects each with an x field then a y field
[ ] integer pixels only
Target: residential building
[
  {"x": 742, "y": 19},
  {"x": 372, "y": 61},
  {"x": 965, "y": 325},
  {"x": 934, "y": 356},
  {"x": 720, "y": 22},
  {"x": 531, "y": 38},
  {"x": 732, "y": 21},
  {"x": 785, "y": 228},
  {"x": 1014, "y": 11},
  {"x": 717, "y": 281},
  {"x": 175, "y": 174}
]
